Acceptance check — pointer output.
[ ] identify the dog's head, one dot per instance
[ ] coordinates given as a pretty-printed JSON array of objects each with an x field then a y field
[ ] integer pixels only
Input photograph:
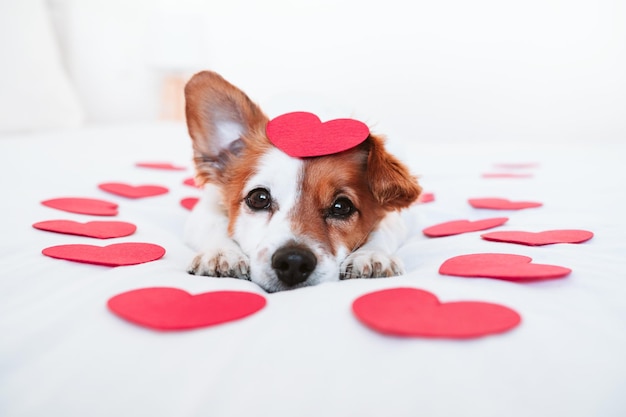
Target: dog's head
[{"x": 296, "y": 218}]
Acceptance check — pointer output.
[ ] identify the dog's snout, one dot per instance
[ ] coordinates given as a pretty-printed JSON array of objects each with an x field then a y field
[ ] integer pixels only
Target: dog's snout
[{"x": 293, "y": 264}]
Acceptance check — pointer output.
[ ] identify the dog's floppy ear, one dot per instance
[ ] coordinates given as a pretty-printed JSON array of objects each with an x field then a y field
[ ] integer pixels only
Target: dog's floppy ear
[
  {"x": 389, "y": 179},
  {"x": 218, "y": 116}
]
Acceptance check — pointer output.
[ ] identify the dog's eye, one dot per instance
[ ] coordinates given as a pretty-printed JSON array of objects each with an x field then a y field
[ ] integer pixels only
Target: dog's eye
[
  {"x": 259, "y": 199},
  {"x": 341, "y": 208}
]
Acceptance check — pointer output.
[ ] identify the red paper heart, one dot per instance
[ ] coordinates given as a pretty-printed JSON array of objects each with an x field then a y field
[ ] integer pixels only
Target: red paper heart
[
  {"x": 501, "y": 266},
  {"x": 463, "y": 226},
  {"x": 189, "y": 203},
  {"x": 119, "y": 254},
  {"x": 541, "y": 238},
  {"x": 302, "y": 134},
  {"x": 501, "y": 204},
  {"x": 191, "y": 182},
  {"x": 132, "y": 191},
  {"x": 426, "y": 198},
  {"x": 83, "y": 206},
  {"x": 412, "y": 312},
  {"x": 517, "y": 165},
  {"x": 160, "y": 165},
  {"x": 174, "y": 309},
  {"x": 100, "y": 230}
]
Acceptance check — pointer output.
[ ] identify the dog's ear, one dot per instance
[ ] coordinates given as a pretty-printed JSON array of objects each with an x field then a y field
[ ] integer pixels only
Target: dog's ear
[
  {"x": 389, "y": 179},
  {"x": 218, "y": 116}
]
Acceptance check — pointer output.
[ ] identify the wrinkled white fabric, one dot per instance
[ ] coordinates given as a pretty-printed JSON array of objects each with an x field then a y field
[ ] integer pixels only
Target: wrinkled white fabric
[{"x": 62, "y": 353}]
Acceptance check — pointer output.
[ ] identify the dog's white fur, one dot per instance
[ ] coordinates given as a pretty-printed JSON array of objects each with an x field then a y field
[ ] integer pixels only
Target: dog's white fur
[{"x": 241, "y": 244}]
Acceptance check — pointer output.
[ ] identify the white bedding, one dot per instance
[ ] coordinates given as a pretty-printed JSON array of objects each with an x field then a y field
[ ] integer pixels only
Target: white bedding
[{"x": 63, "y": 353}]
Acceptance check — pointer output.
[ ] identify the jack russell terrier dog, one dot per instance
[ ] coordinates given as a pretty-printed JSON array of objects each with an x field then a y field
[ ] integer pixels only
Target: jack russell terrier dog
[{"x": 281, "y": 221}]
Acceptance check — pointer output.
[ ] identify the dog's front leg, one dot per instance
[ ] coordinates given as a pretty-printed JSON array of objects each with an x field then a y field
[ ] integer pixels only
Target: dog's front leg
[
  {"x": 375, "y": 259},
  {"x": 206, "y": 231}
]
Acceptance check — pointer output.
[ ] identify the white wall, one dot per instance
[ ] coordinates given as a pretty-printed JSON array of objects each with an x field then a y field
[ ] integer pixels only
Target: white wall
[{"x": 503, "y": 70}]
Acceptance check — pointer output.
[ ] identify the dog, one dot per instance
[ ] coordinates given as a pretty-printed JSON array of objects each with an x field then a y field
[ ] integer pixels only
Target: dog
[{"x": 287, "y": 222}]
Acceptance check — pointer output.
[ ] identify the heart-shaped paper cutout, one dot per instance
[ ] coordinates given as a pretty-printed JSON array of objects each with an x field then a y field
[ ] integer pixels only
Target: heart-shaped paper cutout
[
  {"x": 161, "y": 165},
  {"x": 190, "y": 182},
  {"x": 411, "y": 312},
  {"x": 501, "y": 266},
  {"x": 132, "y": 191},
  {"x": 522, "y": 165},
  {"x": 302, "y": 134},
  {"x": 463, "y": 226},
  {"x": 547, "y": 237},
  {"x": 79, "y": 205},
  {"x": 501, "y": 204},
  {"x": 97, "y": 229},
  {"x": 118, "y": 254},
  {"x": 426, "y": 198},
  {"x": 174, "y": 309},
  {"x": 189, "y": 203}
]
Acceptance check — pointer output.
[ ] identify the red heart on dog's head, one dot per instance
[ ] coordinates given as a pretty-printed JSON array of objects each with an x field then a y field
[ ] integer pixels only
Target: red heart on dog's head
[
  {"x": 501, "y": 204},
  {"x": 83, "y": 206},
  {"x": 119, "y": 254},
  {"x": 463, "y": 226},
  {"x": 501, "y": 266},
  {"x": 548, "y": 237},
  {"x": 100, "y": 230},
  {"x": 132, "y": 191},
  {"x": 174, "y": 309},
  {"x": 417, "y": 313},
  {"x": 302, "y": 134}
]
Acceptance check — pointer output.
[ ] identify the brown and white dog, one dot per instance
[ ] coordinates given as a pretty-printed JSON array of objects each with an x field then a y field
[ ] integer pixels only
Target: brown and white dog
[{"x": 285, "y": 222}]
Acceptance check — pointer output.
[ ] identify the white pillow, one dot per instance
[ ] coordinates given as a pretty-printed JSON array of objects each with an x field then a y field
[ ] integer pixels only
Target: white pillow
[
  {"x": 122, "y": 54},
  {"x": 35, "y": 91}
]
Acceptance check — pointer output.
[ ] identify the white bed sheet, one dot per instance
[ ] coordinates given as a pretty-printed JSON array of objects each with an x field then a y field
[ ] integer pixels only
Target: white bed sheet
[{"x": 62, "y": 353}]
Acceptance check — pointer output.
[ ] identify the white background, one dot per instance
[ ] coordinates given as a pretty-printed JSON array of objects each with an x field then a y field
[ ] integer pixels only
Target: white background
[{"x": 484, "y": 69}]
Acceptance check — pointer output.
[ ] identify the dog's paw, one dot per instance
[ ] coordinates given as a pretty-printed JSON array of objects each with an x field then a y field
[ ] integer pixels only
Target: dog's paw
[
  {"x": 370, "y": 264},
  {"x": 231, "y": 263}
]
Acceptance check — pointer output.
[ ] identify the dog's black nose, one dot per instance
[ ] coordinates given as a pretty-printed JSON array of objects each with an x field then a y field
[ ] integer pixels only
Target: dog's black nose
[{"x": 293, "y": 264}]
